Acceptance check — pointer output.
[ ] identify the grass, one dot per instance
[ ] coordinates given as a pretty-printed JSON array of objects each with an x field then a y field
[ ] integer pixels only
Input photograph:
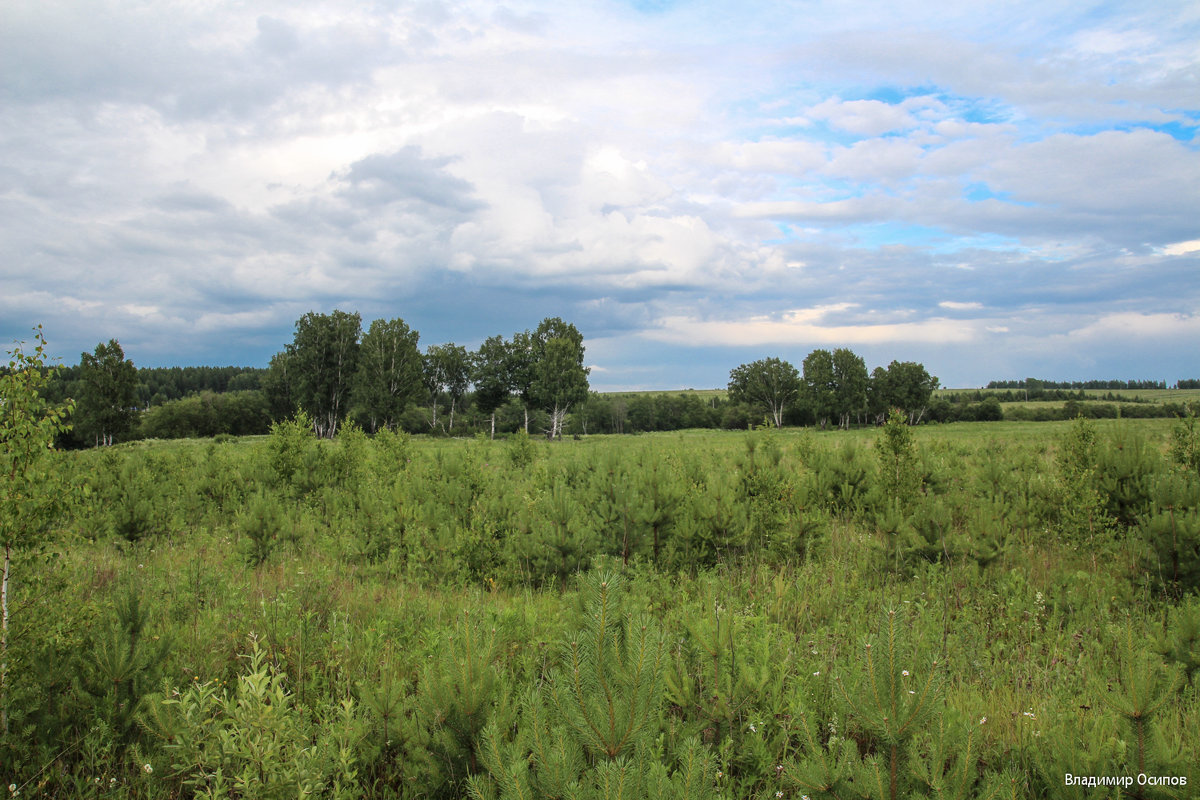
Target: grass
[{"x": 375, "y": 574}]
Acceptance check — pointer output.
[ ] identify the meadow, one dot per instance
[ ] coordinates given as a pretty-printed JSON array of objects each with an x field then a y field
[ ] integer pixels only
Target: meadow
[{"x": 975, "y": 610}]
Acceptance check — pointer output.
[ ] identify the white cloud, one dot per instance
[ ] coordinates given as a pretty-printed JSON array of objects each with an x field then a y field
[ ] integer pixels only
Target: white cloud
[
  {"x": 866, "y": 117},
  {"x": 806, "y": 327},
  {"x": 1181, "y": 248},
  {"x": 1181, "y": 328},
  {"x": 954, "y": 305}
]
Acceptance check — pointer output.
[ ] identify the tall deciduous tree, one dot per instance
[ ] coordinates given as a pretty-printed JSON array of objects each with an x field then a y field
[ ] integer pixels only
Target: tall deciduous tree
[
  {"x": 29, "y": 425},
  {"x": 108, "y": 393},
  {"x": 910, "y": 388},
  {"x": 820, "y": 387},
  {"x": 447, "y": 368},
  {"x": 322, "y": 360},
  {"x": 522, "y": 360},
  {"x": 850, "y": 384},
  {"x": 389, "y": 372},
  {"x": 879, "y": 395},
  {"x": 491, "y": 372},
  {"x": 559, "y": 376},
  {"x": 769, "y": 384}
]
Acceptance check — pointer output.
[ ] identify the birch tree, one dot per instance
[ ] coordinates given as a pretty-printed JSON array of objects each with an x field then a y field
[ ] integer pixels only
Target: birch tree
[
  {"x": 29, "y": 425},
  {"x": 389, "y": 372},
  {"x": 769, "y": 384},
  {"x": 108, "y": 401},
  {"x": 322, "y": 360}
]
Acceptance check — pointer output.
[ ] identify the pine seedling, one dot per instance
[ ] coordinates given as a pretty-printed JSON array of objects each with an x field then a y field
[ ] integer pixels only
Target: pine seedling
[
  {"x": 1170, "y": 533},
  {"x": 125, "y": 668},
  {"x": 457, "y": 694},
  {"x": 1145, "y": 687},
  {"x": 1181, "y": 644},
  {"x": 891, "y": 703},
  {"x": 948, "y": 767},
  {"x": 393, "y": 738},
  {"x": 591, "y": 734},
  {"x": 899, "y": 473},
  {"x": 609, "y": 687},
  {"x": 828, "y": 769}
]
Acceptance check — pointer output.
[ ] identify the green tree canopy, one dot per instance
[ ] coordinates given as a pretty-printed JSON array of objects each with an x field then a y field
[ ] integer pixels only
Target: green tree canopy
[
  {"x": 389, "y": 373},
  {"x": 108, "y": 394},
  {"x": 492, "y": 374},
  {"x": 909, "y": 388},
  {"x": 820, "y": 385},
  {"x": 447, "y": 369},
  {"x": 559, "y": 378},
  {"x": 321, "y": 363},
  {"x": 769, "y": 384},
  {"x": 849, "y": 384}
]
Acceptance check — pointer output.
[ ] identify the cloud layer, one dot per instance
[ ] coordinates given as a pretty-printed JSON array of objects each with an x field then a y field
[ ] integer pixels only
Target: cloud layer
[{"x": 999, "y": 190}]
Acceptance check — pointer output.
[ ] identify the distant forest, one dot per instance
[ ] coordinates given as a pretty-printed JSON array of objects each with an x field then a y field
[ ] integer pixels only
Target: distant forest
[{"x": 1035, "y": 383}]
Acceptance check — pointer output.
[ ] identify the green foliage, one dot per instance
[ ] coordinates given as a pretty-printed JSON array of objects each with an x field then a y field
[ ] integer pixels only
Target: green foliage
[
  {"x": 590, "y": 733},
  {"x": 321, "y": 363},
  {"x": 557, "y": 539},
  {"x": 1185, "y": 444},
  {"x": 1180, "y": 644},
  {"x": 892, "y": 701},
  {"x": 770, "y": 384},
  {"x": 521, "y": 450},
  {"x": 207, "y": 414},
  {"x": 1138, "y": 695},
  {"x": 31, "y": 491},
  {"x": 447, "y": 368},
  {"x": 459, "y": 688},
  {"x": 108, "y": 399},
  {"x": 254, "y": 741},
  {"x": 1124, "y": 472},
  {"x": 850, "y": 385},
  {"x": 492, "y": 374},
  {"x": 126, "y": 667},
  {"x": 389, "y": 373},
  {"x": 265, "y": 525},
  {"x": 899, "y": 477},
  {"x": 426, "y": 578},
  {"x": 608, "y": 688},
  {"x": 291, "y": 452},
  {"x": 1083, "y": 514},
  {"x": 30, "y": 488},
  {"x": 1170, "y": 532},
  {"x": 908, "y": 386},
  {"x": 559, "y": 379}
]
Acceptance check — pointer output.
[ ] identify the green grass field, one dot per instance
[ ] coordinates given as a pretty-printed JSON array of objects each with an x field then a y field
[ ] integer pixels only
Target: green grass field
[{"x": 416, "y": 617}]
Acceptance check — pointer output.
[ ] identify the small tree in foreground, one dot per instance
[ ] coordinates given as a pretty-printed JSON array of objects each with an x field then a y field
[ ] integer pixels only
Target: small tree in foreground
[{"x": 29, "y": 425}]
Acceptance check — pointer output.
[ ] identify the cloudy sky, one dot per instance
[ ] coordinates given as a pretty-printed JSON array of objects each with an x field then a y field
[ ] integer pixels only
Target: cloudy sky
[{"x": 998, "y": 190}]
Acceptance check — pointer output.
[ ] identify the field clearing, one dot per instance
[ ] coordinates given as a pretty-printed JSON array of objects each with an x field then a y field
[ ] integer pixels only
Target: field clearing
[
  {"x": 456, "y": 571},
  {"x": 717, "y": 393}
]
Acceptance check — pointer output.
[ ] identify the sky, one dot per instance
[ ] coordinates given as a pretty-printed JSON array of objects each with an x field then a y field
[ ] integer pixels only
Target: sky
[{"x": 995, "y": 190}]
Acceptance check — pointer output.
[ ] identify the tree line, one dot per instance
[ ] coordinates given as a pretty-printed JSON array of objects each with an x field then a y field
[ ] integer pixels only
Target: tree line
[
  {"x": 334, "y": 371},
  {"x": 834, "y": 388},
  {"x": 1036, "y": 384}
]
